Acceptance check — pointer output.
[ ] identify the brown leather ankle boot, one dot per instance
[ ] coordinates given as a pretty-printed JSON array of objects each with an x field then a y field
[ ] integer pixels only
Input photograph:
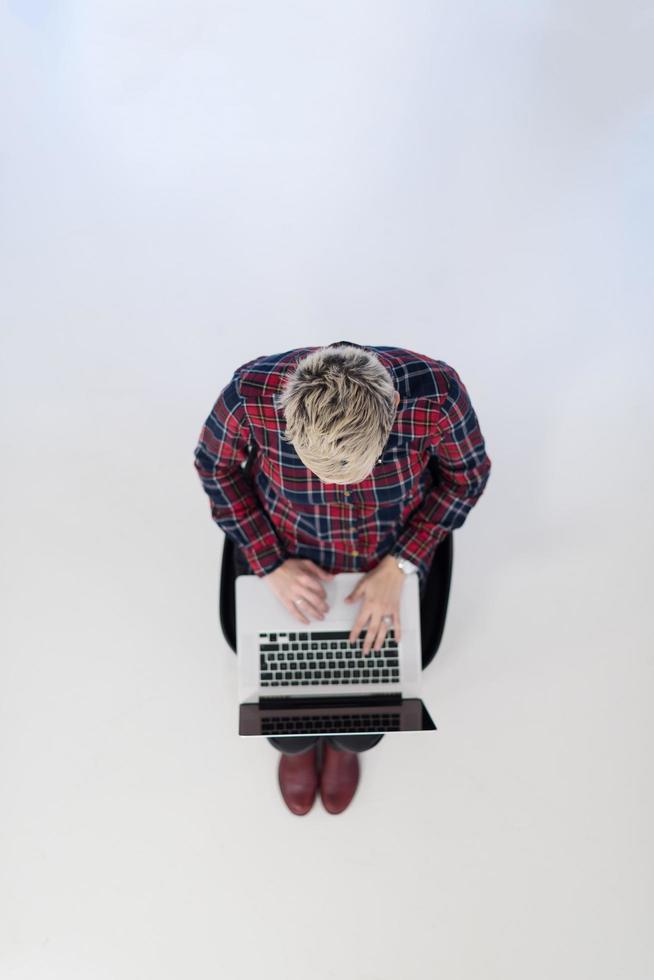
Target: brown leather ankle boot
[
  {"x": 298, "y": 780},
  {"x": 339, "y": 778}
]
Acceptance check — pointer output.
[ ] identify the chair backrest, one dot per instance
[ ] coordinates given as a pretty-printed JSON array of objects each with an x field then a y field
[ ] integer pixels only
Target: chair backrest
[{"x": 433, "y": 605}]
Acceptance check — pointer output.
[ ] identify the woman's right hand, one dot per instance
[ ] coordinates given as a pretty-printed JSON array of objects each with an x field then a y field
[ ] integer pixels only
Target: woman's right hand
[{"x": 299, "y": 579}]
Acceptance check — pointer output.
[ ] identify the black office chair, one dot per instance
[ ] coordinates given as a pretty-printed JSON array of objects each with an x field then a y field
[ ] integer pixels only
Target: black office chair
[{"x": 433, "y": 605}]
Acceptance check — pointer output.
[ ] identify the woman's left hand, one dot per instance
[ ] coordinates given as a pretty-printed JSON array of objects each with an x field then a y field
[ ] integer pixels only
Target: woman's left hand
[{"x": 381, "y": 589}]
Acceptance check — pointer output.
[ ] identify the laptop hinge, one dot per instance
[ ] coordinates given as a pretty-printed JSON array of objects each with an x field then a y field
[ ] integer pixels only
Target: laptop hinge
[{"x": 329, "y": 701}]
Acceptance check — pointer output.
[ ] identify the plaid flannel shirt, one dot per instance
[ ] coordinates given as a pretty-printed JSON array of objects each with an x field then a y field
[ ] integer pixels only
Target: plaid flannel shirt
[{"x": 283, "y": 510}]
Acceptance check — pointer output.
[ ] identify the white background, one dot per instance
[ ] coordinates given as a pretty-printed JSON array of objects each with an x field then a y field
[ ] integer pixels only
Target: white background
[{"x": 185, "y": 187}]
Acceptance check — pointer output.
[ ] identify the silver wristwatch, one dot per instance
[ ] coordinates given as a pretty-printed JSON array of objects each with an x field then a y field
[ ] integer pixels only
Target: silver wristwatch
[{"x": 406, "y": 566}]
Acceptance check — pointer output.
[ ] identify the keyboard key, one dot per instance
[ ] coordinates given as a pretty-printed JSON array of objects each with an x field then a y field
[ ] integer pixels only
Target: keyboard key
[{"x": 334, "y": 635}]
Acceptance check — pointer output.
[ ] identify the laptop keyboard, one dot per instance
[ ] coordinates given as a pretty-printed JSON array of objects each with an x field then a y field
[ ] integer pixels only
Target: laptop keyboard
[
  {"x": 382, "y": 721},
  {"x": 311, "y": 658}
]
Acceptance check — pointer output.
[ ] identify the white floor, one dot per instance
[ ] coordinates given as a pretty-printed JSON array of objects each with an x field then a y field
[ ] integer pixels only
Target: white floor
[{"x": 186, "y": 187}]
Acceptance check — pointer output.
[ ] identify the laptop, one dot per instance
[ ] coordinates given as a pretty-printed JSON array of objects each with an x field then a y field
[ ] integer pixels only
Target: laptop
[{"x": 307, "y": 679}]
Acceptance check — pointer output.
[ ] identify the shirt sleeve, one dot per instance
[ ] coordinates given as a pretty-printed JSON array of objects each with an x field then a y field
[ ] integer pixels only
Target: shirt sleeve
[
  {"x": 464, "y": 467},
  {"x": 219, "y": 457}
]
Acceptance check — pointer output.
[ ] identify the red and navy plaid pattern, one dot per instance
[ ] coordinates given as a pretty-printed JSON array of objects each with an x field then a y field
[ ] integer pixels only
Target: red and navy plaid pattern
[{"x": 283, "y": 510}]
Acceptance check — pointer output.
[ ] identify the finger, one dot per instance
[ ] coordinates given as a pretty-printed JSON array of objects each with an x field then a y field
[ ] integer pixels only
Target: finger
[
  {"x": 296, "y": 612},
  {"x": 375, "y": 636},
  {"x": 310, "y": 582},
  {"x": 313, "y": 600},
  {"x": 381, "y": 635},
  {"x": 309, "y": 604},
  {"x": 372, "y": 634},
  {"x": 360, "y": 622}
]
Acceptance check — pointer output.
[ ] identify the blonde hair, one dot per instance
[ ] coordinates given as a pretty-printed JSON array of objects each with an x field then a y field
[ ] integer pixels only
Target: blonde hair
[{"x": 339, "y": 405}]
